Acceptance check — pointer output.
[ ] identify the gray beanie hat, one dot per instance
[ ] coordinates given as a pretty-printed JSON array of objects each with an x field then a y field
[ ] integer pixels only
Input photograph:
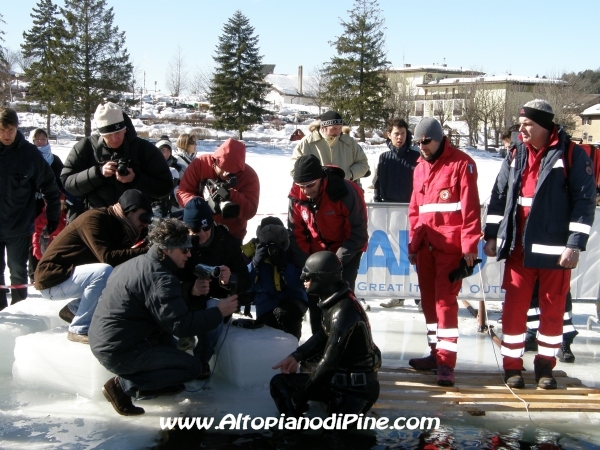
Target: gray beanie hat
[
  {"x": 164, "y": 142},
  {"x": 429, "y": 128}
]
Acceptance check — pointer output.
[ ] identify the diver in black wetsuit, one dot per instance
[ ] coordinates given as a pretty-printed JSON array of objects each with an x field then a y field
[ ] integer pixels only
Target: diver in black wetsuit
[{"x": 346, "y": 377}]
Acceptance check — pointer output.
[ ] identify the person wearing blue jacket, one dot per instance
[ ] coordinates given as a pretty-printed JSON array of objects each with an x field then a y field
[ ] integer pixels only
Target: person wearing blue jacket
[{"x": 279, "y": 296}]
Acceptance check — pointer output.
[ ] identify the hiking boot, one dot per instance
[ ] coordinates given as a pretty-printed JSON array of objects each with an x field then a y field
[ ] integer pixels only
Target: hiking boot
[
  {"x": 445, "y": 375},
  {"x": 543, "y": 374},
  {"x": 531, "y": 345},
  {"x": 393, "y": 303},
  {"x": 514, "y": 379},
  {"x": 186, "y": 343},
  {"x": 167, "y": 390},
  {"x": 427, "y": 363},
  {"x": 66, "y": 314},
  {"x": 81, "y": 338},
  {"x": 120, "y": 400},
  {"x": 565, "y": 354}
]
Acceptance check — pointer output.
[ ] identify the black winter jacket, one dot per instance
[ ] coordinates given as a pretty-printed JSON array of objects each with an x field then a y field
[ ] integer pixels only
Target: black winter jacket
[
  {"x": 394, "y": 176},
  {"x": 82, "y": 174},
  {"x": 562, "y": 210},
  {"x": 140, "y": 304},
  {"x": 344, "y": 339},
  {"x": 23, "y": 171}
]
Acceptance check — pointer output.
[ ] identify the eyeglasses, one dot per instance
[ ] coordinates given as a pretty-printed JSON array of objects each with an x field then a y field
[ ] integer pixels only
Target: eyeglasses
[
  {"x": 424, "y": 141},
  {"x": 185, "y": 251},
  {"x": 41, "y": 140},
  {"x": 306, "y": 185},
  {"x": 206, "y": 229}
]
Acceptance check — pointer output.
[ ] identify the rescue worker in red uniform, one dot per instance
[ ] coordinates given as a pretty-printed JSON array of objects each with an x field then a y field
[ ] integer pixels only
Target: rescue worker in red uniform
[
  {"x": 538, "y": 220},
  {"x": 445, "y": 227},
  {"x": 326, "y": 212}
]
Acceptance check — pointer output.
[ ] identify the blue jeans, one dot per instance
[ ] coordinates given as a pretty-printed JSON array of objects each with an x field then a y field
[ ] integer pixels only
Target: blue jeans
[{"x": 85, "y": 285}]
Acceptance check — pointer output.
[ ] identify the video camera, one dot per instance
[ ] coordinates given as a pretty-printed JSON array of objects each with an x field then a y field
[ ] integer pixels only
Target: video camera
[
  {"x": 218, "y": 197},
  {"x": 204, "y": 272}
]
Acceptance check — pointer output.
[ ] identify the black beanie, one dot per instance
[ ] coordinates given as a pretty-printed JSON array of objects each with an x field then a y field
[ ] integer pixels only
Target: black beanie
[
  {"x": 133, "y": 199},
  {"x": 331, "y": 118},
  {"x": 540, "y": 112},
  {"x": 307, "y": 168},
  {"x": 197, "y": 214}
]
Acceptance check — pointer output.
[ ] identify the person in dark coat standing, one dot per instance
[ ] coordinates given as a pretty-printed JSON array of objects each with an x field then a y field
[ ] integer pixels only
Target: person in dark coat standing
[
  {"x": 100, "y": 168},
  {"x": 23, "y": 172},
  {"x": 140, "y": 311},
  {"x": 394, "y": 175}
]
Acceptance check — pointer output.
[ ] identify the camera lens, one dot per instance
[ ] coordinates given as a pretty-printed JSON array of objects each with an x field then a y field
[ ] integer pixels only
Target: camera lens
[{"x": 122, "y": 169}]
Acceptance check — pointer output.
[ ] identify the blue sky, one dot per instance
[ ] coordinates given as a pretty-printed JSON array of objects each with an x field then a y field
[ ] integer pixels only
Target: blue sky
[{"x": 520, "y": 37}]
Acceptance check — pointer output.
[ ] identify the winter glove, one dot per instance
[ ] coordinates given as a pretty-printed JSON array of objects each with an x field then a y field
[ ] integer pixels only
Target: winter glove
[
  {"x": 300, "y": 402},
  {"x": 51, "y": 226},
  {"x": 260, "y": 254},
  {"x": 462, "y": 271}
]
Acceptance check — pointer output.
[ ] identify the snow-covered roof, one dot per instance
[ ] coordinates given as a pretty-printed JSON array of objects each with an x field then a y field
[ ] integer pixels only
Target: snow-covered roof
[
  {"x": 432, "y": 68},
  {"x": 288, "y": 84},
  {"x": 496, "y": 79},
  {"x": 592, "y": 110}
]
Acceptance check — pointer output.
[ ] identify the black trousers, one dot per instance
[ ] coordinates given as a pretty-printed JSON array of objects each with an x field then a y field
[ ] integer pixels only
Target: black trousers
[
  {"x": 339, "y": 400},
  {"x": 14, "y": 252}
]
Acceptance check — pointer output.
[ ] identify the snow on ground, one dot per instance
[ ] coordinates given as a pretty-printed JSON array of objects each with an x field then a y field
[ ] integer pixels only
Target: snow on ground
[{"x": 38, "y": 418}]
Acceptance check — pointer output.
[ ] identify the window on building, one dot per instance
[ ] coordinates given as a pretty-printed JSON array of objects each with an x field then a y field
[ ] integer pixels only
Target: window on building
[
  {"x": 587, "y": 121},
  {"x": 419, "y": 109}
]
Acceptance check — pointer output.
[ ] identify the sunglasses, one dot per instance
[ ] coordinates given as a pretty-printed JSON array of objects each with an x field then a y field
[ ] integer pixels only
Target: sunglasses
[
  {"x": 185, "y": 251},
  {"x": 205, "y": 229},
  {"x": 306, "y": 185},
  {"x": 424, "y": 141}
]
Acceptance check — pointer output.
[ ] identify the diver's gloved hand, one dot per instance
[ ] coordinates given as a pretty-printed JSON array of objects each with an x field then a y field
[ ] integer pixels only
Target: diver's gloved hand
[
  {"x": 300, "y": 402},
  {"x": 463, "y": 271}
]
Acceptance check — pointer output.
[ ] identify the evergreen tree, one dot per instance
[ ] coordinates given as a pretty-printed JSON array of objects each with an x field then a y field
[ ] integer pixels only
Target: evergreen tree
[
  {"x": 4, "y": 74},
  {"x": 238, "y": 88},
  {"x": 357, "y": 86},
  {"x": 44, "y": 44},
  {"x": 100, "y": 66}
]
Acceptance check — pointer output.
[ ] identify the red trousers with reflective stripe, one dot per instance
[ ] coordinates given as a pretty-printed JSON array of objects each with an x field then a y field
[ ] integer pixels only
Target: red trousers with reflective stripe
[
  {"x": 438, "y": 294},
  {"x": 519, "y": 282}
]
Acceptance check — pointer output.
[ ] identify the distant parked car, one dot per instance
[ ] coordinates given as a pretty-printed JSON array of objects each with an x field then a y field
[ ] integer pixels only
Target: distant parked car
[{"x": 303, "y": 115}]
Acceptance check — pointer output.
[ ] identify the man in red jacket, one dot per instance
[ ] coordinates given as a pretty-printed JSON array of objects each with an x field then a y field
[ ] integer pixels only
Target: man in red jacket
[
  {"x": 326, "y": 212},
  {"x": 445, "y": 227},
  {"x": 239, "y": 185}
]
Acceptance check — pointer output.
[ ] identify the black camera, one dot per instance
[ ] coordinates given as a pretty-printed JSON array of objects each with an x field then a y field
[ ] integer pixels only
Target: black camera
[
  {"x": 218, "y": 198},
  {"x": 274, "y": 250},
  {"x": 122, "y": 165},
  {"x": 204, "y": 272}
]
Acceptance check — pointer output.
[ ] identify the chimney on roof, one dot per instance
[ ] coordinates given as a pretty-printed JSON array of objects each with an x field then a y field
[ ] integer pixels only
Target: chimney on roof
[
  {"x": 406, "y": 65},
  {"x": 300, "y": 80}
]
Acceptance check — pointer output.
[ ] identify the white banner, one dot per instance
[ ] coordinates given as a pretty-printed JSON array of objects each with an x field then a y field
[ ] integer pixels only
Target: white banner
[{"x": 386, "y": 273}]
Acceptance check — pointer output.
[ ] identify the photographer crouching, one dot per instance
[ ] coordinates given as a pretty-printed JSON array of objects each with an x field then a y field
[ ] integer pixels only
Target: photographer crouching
[
  {"x": 216, "y": 262},
  {"x": 140, "y": 310},
  {"x": 279, "y": 296},
  {"x": 229, "y": 184}
]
